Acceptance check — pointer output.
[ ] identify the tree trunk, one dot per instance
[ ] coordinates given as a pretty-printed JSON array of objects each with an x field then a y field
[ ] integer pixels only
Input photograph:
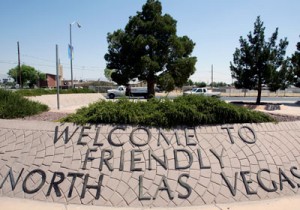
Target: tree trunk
[
  {"x": 258, "y": 96},
  {"x": 259, "y": 89},
  {"x": 150, "y": 87}
]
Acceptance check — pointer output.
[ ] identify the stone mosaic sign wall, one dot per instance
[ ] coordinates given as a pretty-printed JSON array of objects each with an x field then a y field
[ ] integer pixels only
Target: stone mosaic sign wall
[{"x": 139, "y": 166}]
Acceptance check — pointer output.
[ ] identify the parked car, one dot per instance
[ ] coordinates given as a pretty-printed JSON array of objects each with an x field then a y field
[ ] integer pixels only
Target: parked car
[{"x": 133, "y": 91}]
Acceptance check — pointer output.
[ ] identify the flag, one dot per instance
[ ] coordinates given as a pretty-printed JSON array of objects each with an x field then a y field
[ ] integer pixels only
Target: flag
[{"x": 70, "y": 52}]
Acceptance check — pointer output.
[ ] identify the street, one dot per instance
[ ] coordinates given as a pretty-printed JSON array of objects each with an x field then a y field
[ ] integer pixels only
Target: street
[{"x": 263, "y": 99}]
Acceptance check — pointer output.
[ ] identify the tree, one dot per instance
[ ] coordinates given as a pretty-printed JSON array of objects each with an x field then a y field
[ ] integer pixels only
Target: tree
[
  {"x": 190, "y": 82},
  {"x": 218, "y": 84},
  {"x": 29, "y": 75},
  {"x": 149, "y": 49},
  {"x": 295, "y": 62},
  {"x": 257, "y": 61},
  {"x": 281, "y": 78},
  {"x": 107, "y": 73},
  {"x": 200, "y": 84},
  {"x": 166, "y": 82}
]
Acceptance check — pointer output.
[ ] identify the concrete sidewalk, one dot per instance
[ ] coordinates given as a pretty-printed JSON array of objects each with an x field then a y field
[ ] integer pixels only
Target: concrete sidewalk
[
  {"x": 68, "y": 102},
  {"x": 290, "y": 203},
  {"x": 285, "y": 108}
]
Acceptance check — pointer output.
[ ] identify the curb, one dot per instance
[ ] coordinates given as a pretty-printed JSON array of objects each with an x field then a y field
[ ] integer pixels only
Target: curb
[{"x": 290, "y": 202}]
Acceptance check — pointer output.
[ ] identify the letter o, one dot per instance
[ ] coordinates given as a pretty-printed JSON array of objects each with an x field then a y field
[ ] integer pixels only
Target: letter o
[
  {"x": 110, "y": 141},
  {"x": 140, "y": 144},
  {"x": 43, "y": 176},
  {"x": 243, "y": 138}
]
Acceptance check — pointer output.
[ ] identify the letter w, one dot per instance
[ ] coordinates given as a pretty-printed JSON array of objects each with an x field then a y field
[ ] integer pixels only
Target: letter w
[{"x": 66, "y": 132}]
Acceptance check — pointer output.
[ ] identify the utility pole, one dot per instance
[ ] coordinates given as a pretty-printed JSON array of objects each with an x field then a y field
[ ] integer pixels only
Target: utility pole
[
  {"x": 57, "y": 76},
  {"x": 19, "y": 66},
  {"x": 212, "y": 75},
  {"x": 71, "y": 51}
]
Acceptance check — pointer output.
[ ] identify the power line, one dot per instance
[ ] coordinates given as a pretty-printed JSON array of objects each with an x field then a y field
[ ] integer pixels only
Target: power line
[
  {"x": 52, "y": 61},
  {"x": 8, "y": 62},
  {"x": 81, "y": 68},
  {"x": 37, "y": 58}
]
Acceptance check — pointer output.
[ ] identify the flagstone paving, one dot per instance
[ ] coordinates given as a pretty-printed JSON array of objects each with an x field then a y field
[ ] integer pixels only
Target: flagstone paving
[{"x": 147, "y": 167}]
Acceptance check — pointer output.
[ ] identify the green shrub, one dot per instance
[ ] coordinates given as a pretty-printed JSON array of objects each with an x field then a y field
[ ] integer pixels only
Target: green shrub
[
  {"x": 39, "y": 92},
  {"x": 185, "y": 110},
  {"x": 12, "y": 105}
]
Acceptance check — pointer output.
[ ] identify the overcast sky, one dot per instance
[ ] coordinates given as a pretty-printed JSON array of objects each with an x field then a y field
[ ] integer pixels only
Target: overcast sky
[{"x": 214, "y": 25}]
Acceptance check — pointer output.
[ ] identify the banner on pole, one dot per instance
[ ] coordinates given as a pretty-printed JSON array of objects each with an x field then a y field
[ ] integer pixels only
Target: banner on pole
[{"x": 70, "y": 51}]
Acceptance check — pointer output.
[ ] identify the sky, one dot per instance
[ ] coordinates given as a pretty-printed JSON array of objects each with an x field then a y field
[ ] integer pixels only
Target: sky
[{"x": 214, "y": 25}]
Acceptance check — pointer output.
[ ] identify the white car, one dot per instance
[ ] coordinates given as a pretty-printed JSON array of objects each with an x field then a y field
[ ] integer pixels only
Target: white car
[
  {"x": 202, "y": 91},
  {"x": 121, "y": 92}
]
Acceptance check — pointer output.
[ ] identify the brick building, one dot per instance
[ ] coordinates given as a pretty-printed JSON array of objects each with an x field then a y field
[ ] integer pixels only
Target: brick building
[{"x": 50, "y": 81}]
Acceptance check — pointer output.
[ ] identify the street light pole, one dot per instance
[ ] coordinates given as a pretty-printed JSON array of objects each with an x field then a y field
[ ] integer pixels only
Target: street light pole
[
  {"x": 71, "y": 51},
  {"x": 19, "y": 72},
  {"x": 71, "y": 55}
]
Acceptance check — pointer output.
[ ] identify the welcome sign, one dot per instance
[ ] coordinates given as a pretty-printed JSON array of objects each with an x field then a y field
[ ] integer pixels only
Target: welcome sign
[{"x": 140, "y": 166}]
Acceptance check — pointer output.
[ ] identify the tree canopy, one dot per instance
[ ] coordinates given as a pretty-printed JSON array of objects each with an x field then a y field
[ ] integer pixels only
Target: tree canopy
[
  {"x": 295, "y": 61},
  {"x": 149, "y": 49},
  {"x": 258, "y": 61},
  {"x": 107, "y": 73},
  {"x": 29, "y": 75}
]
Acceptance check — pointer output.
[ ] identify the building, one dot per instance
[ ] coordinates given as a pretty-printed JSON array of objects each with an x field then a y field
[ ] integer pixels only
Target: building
[{"x": 50, "y": 81}]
